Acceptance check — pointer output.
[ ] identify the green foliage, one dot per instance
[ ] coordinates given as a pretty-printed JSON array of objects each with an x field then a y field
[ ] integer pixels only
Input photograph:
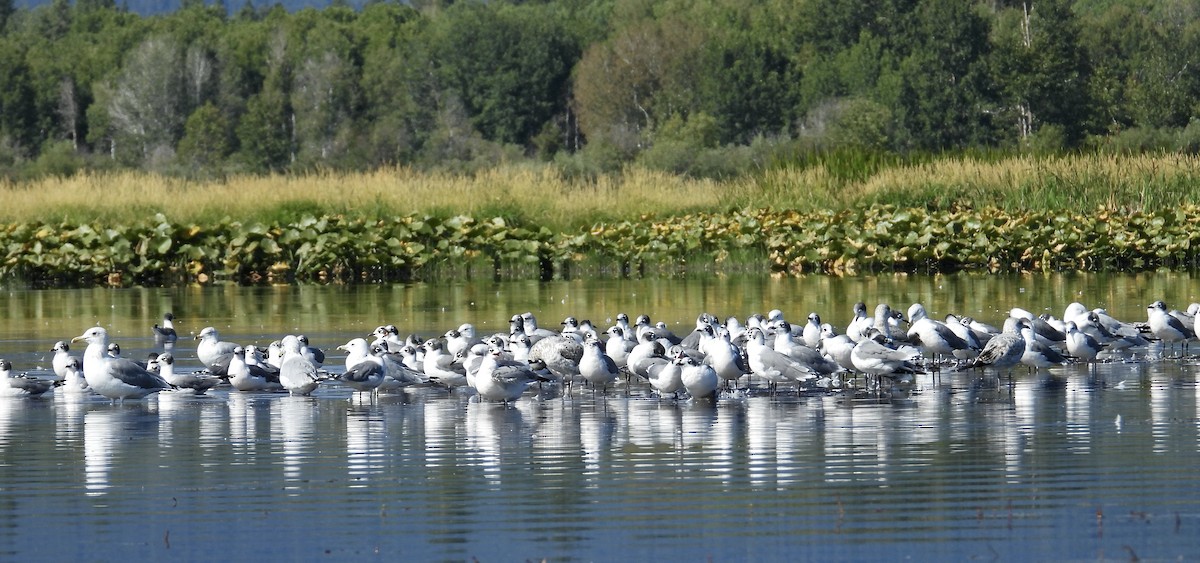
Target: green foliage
[
  {"x": 450, "y": 86},
  {"x": 57, "y": 159},
  {"x": 335, "y": 249},
  {"x": 205, "y": 140}
]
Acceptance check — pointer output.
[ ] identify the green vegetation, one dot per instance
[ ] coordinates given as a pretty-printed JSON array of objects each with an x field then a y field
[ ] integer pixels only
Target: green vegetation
[
  {"x": 538, "y": 138},
  {"x": 703, "y": 88},
  {"x": 849, "y": 215},
  {"x": 336, "y": 249}
]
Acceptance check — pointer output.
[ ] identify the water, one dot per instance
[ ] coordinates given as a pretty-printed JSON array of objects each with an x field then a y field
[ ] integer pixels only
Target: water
[{"x": 1102, "y": 468}]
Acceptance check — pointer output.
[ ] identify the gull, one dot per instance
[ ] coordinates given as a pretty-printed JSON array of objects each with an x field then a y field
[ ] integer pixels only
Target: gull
[
  {"x": 397, "y": 373},
  {"x": 1166, "y": 327},
  {"x": 983, "y": 331},
  {"x": 812, "y": 331},
  {"x": 665, "y": 376},
  {"x": 623, "y": 322},
  {"x": 311, "y": 353},
  {"x": 775, "y": 317},
  {"x": 21, "y": 385},
  {"x": 275, "y": 354},
  {"x": 165, "y": 334},
  {"x": 837, "y": 347},
  {"x": 1107, "y": 330},
  {"x": 243, "y": 379},
  {"x": 503, "y": 382},
  {"x": 871, "y": 357},
  {"x": 560, "y": 354},
  {"x": 519, "y": 345},
  {"x": 937, "y": 338},
  {"x": 1040, "y": 327},
  {"x": 62, "y": 357},
  {"x": 659, "y": 329},
  {"x": 646, "y": 356},
  {"x": 1074, "y": 312},
  {"x": 194, "y": 383},
  {"x": 700, "y": 380},
  {"x": 618, "y": 347},
  {"x": 859, "y": 323},
  {"x": 212, "y": 351},
  {"x": 471, "y": 358},
  {"x": 692, "y": 340},
  {"x": 297, "y": 373},
  {"x": 596, "y": 366},
  {"x": 72, "y": 377},
  {"x": 388, "y": 336},
  {"x": 725, "y": 358},
  {"x": 256, "y": 364},
  {"x": 1003, "y": 351},
  {"x": 115, "y": 378},
  {"x": 528, "y": 324},
  {"x": 1038, "y": 354},
  {"x": 808, "y": 357},
  {"x": 1081, "y": 345},
  {"x": 974, "y": 343},
  {"x": 439, "y": 365},
  {"x": 457, "y": 342},
  {"x": 365, "y": 372},
  {"x": 765, "y": 362}
]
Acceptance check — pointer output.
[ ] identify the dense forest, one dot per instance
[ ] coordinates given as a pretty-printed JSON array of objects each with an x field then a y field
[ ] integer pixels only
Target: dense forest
[{"x": 699, "y": 87}]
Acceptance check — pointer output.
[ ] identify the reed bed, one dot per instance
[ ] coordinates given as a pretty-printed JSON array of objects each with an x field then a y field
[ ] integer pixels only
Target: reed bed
[{"x": 539, "y": 195}]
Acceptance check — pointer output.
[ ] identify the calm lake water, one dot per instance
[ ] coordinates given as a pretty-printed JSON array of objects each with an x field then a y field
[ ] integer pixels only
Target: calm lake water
[{"x": 1103, "y": 468}]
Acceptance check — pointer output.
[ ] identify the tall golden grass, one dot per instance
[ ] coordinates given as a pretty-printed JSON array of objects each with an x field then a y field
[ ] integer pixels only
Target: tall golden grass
[{"x": 541, "y": 195}]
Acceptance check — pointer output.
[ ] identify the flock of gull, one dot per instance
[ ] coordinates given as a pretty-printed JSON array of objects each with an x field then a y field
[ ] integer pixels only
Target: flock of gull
[{"x": 878, "y": 355}]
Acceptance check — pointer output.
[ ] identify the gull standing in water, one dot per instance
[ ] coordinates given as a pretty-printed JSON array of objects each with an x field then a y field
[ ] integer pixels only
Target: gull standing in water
[
  {"x": 935, "y": 337},
  {"x": 1003, "y": 351},
  {"x": 194, "y": 383},
  {"x": 505, "y": 383},
  {"x": 812, "y": 331},
  {"x": 73, "y": 381},
  {"x": 725, "y": 358},
  {"x": 311, "y": 353},
  {"x": 664, "y": 375},
  {"x": 212, "y": 351},
  {"x": 297, "y": 373},
  {"x": 21, "y": 385},
  {"x": 243, "y": 378},
  {"x": 618, "y": 347},
  {"x": 768, "y": 364},
  {"x": 365, "y": 372},
  {"x": 596, "y": 366},
  {"x": 1038, "y": 354},
  {"x": 165, "y": 334},
  {"x": 115, "y": 378},
  {"x": 700, "y": 380},
  {"x": 1167, "y": 327},
  {"x": 62, "y": 357},
  {"x": 439, "y": 366},
  {"x": 1081, "y": 345}
]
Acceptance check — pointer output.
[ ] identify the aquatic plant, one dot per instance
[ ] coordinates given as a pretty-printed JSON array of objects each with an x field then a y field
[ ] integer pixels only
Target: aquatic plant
[{"x": 343, "y": 249}]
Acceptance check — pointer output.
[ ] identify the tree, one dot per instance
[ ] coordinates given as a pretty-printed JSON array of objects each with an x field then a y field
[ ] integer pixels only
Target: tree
[
  {"x": 945, "y": 96},
  {"x": 321, "y": 99},
  {"x": 206, "y": 138},
  {"x": 508, "y": 64},
  {"x": 16, "y": 96},
  {"x": 399, "y": 83},
  {"x": 147, "y": 97},
  {"x": 745, "y": 86},
  {"x": 644, "y": 73},
  {"x": 1042, "y": 70}
]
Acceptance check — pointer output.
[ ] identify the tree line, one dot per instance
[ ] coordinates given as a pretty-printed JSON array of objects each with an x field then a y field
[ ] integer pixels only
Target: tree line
[{"x": 702, "y": 87}]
